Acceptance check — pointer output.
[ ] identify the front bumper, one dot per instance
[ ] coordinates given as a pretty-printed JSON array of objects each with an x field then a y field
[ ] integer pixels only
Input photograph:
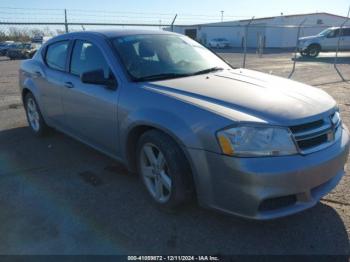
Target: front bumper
[
  {"x": 303, "y": 46},
  {"x": 248, "y": 187}
]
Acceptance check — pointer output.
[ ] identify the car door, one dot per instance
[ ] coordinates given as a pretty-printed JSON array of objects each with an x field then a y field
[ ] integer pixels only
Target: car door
[
  {"x": 345, "y": 39},
  {"x": 50, "y": 81},
  {"x": 90, "y": 109}
]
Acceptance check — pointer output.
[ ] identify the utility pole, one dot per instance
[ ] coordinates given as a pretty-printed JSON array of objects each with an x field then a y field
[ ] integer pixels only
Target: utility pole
[
  {"x": 65, "y": 20},
  {"x": 222, "y": 16}
]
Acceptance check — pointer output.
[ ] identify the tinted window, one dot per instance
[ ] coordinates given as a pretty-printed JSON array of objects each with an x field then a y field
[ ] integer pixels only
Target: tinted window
[
  {"x": 56, "y": 55},
  {"x": 345, "y": 32},
  {"x": 333, "y": 33},
  {"x": 87, "y": 57}
]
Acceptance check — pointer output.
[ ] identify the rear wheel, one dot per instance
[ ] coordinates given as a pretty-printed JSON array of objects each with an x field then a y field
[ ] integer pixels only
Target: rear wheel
[
  {"x": 35, "y": 119},
  {"x": 164, "y": 170}
]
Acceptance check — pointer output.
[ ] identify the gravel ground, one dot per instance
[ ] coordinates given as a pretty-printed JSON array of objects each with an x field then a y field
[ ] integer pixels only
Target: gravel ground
[{"x": 58, "y": 196}]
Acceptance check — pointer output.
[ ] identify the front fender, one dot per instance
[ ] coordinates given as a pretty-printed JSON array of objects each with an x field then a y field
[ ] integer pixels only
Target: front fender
[
  {"x": 189, "y": 125},
  {"x": 167, "y": 122}
]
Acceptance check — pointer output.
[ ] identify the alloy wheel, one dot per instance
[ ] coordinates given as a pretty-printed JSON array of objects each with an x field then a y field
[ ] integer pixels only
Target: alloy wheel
[
  {"x": 313, "y": 52},
  {"x": 155, "y": 173},
  {"x": 33, "y": 114}
]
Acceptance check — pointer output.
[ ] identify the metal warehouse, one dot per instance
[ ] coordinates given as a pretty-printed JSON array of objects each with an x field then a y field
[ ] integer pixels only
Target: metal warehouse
[{"x": 274, "y": 32}]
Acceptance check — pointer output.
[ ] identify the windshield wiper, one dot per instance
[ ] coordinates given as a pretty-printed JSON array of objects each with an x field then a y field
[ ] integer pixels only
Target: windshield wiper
[
  {"x": 209, "y": 70},
  {"x": 176, "y": 75},
  {"x": 160, "y": 77}
]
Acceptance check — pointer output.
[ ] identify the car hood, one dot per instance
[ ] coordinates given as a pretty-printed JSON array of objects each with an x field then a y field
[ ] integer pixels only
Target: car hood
[
  {"x": 309, "y": 37},
  {"x": 246, "y": 95}
]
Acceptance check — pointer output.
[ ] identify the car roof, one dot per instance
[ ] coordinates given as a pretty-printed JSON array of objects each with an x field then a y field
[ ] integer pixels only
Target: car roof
[
  {"x": 108, "y": 34},
  {"x": 122, "y": 32},
  {"x": 338, "y": 27}
]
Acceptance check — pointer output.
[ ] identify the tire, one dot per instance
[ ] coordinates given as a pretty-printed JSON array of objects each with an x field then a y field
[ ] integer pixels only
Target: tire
[
  {"x": 304, "y": 53},
  {"x": 313, "y": 50},
  {"x": 34, "y": 117},
  {"x": 168, "y": 182}
]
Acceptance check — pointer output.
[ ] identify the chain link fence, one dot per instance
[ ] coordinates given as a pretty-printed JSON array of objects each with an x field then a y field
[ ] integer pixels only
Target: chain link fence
[{"x": 273, "y": 48}]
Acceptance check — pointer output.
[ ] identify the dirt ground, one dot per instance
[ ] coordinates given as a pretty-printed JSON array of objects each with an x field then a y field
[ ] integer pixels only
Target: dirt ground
[{"x": 57, "y": 196}]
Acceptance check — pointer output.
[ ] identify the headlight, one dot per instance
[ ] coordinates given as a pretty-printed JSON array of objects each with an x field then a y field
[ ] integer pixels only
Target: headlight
[{"x": 250, "y": 141}]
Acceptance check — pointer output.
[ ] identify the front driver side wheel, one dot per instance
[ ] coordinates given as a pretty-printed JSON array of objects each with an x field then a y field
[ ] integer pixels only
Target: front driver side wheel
[
  {"x": 304, "y": 53},
  {"x": 35, "y": 119},
  {"x": 313, "y": 50},
  {"x": 164, "y": 170}
]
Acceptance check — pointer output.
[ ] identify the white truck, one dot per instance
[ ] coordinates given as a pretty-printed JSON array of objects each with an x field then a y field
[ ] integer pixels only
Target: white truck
[{"x": 326, "y": 41}]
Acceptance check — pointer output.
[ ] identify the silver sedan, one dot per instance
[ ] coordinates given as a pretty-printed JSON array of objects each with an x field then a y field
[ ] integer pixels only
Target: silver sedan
[{"x": 240, "y": 141}]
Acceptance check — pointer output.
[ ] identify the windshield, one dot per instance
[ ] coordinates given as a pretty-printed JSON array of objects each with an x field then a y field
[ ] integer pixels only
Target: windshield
[
  {"x": 325, "y": 32},
  {"x": 165, "y": 56}
]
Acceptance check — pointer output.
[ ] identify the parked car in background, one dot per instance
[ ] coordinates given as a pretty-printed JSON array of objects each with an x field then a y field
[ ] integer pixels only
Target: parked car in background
[
  {"x": 219, "y": 43},
  {"x": 6, "y": 46},
  {"x": 5, "y": 43},
  {"x": 22, "y": 51},
  {"x": 244, "y": 142},
  {"x": 326, "y": 41}
]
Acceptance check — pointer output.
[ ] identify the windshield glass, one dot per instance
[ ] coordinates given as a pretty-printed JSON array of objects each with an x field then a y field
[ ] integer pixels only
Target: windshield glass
[
  {"x": 166, "y": 56},
  {"x": 325, "y": 32}
]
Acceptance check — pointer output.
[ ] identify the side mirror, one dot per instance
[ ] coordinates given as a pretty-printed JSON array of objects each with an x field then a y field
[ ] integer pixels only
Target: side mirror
[{"x": 97, "y": 77}]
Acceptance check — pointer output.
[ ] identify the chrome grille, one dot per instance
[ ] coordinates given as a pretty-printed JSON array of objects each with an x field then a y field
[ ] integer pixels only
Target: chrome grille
[{"x": 316, "y": 135}]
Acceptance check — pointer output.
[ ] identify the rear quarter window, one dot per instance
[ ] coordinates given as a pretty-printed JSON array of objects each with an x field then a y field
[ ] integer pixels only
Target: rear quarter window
[{"x": 56, "y": 55}]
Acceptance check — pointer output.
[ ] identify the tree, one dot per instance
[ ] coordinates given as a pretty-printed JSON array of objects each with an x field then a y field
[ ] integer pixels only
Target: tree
[
  {"x": 20, "y": 35},
  {"x": 3, "y": 36}
]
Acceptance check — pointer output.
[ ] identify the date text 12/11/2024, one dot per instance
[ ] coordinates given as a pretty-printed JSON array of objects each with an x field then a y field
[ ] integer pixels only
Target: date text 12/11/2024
[{"x": 173, "y": 258}]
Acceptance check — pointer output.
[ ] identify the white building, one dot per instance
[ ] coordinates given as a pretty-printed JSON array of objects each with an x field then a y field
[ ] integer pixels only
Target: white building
[{"x": 275, "y": 32}]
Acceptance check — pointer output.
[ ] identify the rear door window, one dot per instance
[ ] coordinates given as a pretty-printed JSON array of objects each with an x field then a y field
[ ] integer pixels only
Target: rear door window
[{"x": 56, "y": 55}]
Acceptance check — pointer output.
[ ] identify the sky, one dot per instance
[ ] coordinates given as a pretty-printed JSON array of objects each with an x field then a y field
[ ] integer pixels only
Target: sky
[
  {"x": 150, "y": 10},
  {"x": 154, "y": 13}
]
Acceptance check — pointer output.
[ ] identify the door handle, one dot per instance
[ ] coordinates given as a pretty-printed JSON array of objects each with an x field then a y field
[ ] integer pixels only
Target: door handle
[{"x": 68, "y": 84}]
